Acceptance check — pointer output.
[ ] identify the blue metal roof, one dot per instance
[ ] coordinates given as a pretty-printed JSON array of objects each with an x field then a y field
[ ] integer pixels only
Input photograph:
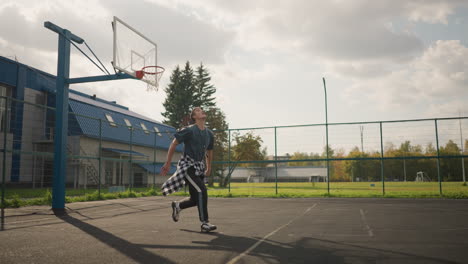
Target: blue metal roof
[
  {"x": 88, "y": 116},
  {"x": 88, "y": 110},
  {"x": 8, "y": 71},
  {"x": 125, "y": 152},
  {"x": 156, "y": 169},
  {"x": 34, "y": 78}
]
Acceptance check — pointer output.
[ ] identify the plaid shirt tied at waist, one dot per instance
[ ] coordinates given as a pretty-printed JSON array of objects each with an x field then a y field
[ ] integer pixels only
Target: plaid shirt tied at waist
[{"x": 176, "y": 181}]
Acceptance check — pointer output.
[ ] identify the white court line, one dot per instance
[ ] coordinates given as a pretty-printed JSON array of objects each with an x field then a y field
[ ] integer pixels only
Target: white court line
[
  {"x": 75, "y": 211},
  {"x": 129, "y": 207},
  {"x": 32, "y": 220},
  {"x": 454, "y": 229},
  {"x": 363, "y": 217},
  {"x": 120, "y": 208},
  {"x": 234, "y": 260}
]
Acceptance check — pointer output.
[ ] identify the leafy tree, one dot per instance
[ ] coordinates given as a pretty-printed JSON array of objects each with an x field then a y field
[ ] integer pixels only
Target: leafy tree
[
  {"x": 331, "y": 154},
  {"x": 364, "y": 170},
  {"x": 216, "y": 120},
  {"x": 395, "y": 169},
  {"x": 339, "y": 168},
  {"x": 305, "y": 156},
  {"x": 430, "y": 150},
  {"x": 450, "y": 168},
  {"x": 247, "y": 147}
]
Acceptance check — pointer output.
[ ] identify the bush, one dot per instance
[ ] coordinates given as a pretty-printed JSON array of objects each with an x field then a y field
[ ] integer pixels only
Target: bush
[
  {"x": 131, "y": 194},
  {"x": 48, "y": 197},
  {"x": 456, "y": 195},
  {"x": 16, "y": 201},
  {"x": 151, "y": 192}
]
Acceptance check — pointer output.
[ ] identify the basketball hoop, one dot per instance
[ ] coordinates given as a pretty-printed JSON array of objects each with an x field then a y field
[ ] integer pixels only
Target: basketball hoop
[
  {"x": 151, "y": 75},
  {"x": 135, "y": 54}
]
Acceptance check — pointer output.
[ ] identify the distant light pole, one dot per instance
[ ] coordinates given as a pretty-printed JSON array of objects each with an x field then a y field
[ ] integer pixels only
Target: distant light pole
[
  {"x": 462, "y": 151},
  {"x": 326, "y": 128}
]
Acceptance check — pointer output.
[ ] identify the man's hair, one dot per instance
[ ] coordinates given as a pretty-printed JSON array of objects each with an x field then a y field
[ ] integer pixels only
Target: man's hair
[
  {"x": 186, "y": 121},
  {"x": 192, "y": 114}
]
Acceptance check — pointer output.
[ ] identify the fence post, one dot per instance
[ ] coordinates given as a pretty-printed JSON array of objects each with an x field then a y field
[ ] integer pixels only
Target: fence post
[
  {"x": 438, "y": 157},
  {"x": 462, "y": 151},
  {"x": 5, "y": 131},
  {"x": 382, "y": 160},
  {"x": 229, "y": 160},
  {"x": 130, "y": 161},
  {"x": 276, "y": 163},
  {"x": 154, "y": 160},
  {"x": 326, "y": 129},
  {"x": 100, "y": 157}
]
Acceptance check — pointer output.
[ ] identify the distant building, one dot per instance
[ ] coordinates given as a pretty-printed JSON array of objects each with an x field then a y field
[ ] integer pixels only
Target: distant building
[
  {"x": 131, "y": 144},
  {"x": 278, "y": 158},
  {"x": 284, "y": 174}
]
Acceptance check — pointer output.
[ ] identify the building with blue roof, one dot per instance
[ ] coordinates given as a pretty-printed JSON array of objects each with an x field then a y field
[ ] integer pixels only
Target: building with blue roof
[{"x": 132, "y": 147}]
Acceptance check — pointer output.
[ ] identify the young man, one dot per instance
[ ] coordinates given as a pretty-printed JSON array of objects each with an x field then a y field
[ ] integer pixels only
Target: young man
[{"x": 191, "y": 169}]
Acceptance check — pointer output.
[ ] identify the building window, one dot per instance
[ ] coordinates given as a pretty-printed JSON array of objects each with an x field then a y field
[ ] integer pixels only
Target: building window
[
  {"x": 109, "y": 172},
  {"x": 128, "y": 123},
  {"x": 157, "y": 131},
  {"x": 111, "y": 120},
  {"x": 169, "y": 134},
  {"x": 5, "y": 111},
  {"x": 144, "y": 128}
]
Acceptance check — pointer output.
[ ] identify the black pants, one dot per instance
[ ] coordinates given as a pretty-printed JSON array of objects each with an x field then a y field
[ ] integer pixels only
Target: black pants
[{"x": 198, "y": 195}]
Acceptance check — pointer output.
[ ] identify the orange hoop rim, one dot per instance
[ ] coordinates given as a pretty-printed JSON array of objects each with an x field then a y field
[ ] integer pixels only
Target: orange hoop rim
[{"x": 158, "y": 70}]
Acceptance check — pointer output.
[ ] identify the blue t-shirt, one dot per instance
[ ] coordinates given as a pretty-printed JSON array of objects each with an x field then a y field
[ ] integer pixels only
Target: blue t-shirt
[{"x": 196, "y": 141}]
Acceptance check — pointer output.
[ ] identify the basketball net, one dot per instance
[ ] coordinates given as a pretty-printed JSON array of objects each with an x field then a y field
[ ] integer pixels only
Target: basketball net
[{"x": 152, "y": 75}]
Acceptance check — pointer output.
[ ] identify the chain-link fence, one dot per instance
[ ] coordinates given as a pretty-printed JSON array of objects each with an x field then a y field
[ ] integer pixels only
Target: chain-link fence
[
  {"x": 406, "y": 158},
  {"x": 393, "y": 158},
  {"x": 102, "y": 156}
]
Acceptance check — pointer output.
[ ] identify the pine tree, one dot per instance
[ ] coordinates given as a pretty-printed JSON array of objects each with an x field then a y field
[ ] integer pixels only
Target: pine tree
[
  {"x": 170, "y": 104},
  {"x": 185, "y": 91},
  {"x": 188, "y": 93},
  {"x": 180, "y": 96},
  {"x": 204, "y": 91}
]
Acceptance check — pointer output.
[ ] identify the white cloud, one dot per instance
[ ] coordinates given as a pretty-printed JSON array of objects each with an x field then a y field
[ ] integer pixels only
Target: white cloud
[
  {"x": 262, "y": 48},
  {"x": 452, "y": 108},
  {"x": 437, "y": 77},
  {"x": 179, "y": 36},
  {"x": 327, "y": 29},
  {"x": 432, "y": 11}
]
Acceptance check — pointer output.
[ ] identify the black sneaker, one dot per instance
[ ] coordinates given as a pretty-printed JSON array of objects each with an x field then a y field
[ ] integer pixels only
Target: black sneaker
[
  {"x": 207, "y": 227},
  {"x": 175, "y": 211}
]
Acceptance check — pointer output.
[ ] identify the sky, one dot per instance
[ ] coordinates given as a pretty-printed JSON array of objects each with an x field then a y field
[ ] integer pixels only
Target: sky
[{"x": 382, "y": 60}]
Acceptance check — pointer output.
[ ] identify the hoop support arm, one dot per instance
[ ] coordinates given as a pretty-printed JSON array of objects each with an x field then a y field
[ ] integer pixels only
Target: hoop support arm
[
  {"x": 100, "y": 78},
  {"x": 61, "y": 31}
]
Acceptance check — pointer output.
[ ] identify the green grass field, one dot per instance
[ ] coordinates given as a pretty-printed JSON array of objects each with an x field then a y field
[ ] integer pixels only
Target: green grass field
[
  {"x": 27, "y": 193},
  {"x": 16, "y": 197},
  {"x": 345, "y": 189}
]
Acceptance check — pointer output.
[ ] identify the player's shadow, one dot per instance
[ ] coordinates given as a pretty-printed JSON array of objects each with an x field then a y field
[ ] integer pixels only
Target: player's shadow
[
  {"x": 301, "y": 250},
  {"x": 133, "y": 251},
  {"x": 269, "y": 251},
  {"x": 2, "y": 219}
]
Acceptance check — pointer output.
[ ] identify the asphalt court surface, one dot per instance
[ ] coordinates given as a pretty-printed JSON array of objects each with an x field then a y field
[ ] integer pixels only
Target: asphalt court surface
[{"x": 250, "y": 230}]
